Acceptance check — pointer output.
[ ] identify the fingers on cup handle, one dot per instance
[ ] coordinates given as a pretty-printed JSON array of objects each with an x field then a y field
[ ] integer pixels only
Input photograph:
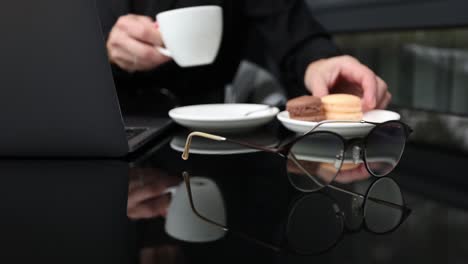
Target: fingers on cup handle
[
  {"x": 164, "y": 52},
  {"x": 172, "y": 190}
]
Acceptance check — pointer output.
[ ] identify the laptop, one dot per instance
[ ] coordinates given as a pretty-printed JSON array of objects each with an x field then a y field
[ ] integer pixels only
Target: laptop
[{"x": 57, "y": 96}]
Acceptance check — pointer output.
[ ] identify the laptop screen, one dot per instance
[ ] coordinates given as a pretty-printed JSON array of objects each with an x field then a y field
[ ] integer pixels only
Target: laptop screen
[{"x": 58, "y": 96}]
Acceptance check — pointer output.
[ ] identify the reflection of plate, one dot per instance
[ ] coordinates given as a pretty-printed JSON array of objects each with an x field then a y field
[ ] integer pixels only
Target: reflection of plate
[
  {"x": 325, "y": 159},
  {"x": 223, "y": 117},
  {"x": 210, "y": 147},
  {"x": 344, "y": 129}
]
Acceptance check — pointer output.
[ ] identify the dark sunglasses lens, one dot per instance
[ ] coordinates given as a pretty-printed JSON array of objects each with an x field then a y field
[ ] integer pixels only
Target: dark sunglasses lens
[
  {"x": 384, "y": 147},
  {"x": 381, "y": 217},
  {"x": 314, "y": 161},
  {"x": 315, "y": 224}
]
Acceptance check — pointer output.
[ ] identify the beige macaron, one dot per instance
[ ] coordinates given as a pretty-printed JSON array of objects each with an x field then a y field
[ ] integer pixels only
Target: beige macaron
[
  {"x": 344, "y": 116},
  {"x": 342, "y": 107}
]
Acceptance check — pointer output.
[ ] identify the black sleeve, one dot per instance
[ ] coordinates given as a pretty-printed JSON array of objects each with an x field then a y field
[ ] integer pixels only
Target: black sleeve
[
  {"x": 293, "y": 37},
  {"x": 109, "y": 13}
]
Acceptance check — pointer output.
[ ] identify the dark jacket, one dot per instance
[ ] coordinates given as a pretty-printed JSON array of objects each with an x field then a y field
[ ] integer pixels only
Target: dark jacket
[{"x": 282, "y": 30}]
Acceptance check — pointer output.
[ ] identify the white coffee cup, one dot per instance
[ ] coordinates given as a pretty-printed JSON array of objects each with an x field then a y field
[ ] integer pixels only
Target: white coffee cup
[
  {"x": 192, "y": 35},
  {"x": 183, "y": 224}
]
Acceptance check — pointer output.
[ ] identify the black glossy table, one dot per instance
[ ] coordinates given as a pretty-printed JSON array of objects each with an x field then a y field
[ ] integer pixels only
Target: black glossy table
[{"x": 125, "y": 211}]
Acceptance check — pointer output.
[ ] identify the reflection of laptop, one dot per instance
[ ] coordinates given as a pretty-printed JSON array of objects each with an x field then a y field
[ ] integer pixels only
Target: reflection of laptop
[
  {"x": 57, "y": 96},
  {"x": 71, "y": 211}
]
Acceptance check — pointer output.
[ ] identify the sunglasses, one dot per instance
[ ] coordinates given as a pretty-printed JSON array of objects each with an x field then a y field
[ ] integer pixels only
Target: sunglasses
[{"x": 316, "y": 158}]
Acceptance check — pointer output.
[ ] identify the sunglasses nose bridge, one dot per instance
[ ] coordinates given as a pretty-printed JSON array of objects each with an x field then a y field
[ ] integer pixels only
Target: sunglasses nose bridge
[
  {"x": 356, "y": 154},
  {"x": 338, "y": 158},
  {"x": 337, "y": 210}
]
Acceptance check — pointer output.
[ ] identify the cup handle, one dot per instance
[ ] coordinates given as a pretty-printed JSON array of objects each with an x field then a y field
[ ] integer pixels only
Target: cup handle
[
  {"x": 171, "y": 190},
  {"x": 164, "y": 52}
]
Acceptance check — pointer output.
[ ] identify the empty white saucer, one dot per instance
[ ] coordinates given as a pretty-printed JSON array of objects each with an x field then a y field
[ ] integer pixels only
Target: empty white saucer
[{"x": 223, "y": 117}]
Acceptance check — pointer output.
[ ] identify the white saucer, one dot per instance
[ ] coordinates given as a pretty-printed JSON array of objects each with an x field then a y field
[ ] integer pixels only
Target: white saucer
[
  {"x": 345, "y": 129},
  {"x": 223, "y": 117}
]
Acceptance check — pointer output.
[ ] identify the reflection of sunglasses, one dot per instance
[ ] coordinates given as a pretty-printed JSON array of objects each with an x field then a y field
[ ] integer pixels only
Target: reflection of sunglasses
[
  {"x": 382, "y": 210},
  {"x": 316, "y": 223},
  {"x": 315, "y": 158}
]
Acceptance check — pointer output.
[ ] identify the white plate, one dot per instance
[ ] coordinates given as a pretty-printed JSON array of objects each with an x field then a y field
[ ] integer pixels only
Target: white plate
[
  {"x": 344, "y": 129},
  {"x": 223, "y": 117}
]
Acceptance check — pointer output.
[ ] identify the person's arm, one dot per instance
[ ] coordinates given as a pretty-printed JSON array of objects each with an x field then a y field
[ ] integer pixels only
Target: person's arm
[
  {"x": 306, "y": 54},
  {"x": 109, "y": 13},
  {"x": 131, "y": 38},
  {"x": 293, "y": 37}
]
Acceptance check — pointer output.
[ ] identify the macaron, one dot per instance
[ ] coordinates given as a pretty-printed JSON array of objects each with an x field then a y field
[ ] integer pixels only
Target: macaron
[
  {"x": 306, "y": 108},
  {"x": 342, "y": 107}
]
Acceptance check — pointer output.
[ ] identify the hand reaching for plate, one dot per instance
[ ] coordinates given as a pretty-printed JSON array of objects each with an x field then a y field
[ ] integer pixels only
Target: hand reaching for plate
[{"x": 345, "y": 74}]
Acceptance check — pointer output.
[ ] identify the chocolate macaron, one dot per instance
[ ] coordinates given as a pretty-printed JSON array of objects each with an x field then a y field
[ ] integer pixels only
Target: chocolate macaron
[{"x": 306, "y": 108}]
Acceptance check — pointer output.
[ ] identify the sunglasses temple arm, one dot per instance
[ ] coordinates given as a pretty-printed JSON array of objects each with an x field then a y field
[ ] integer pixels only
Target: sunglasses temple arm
[
  {"x": 298, "y": 164},
  {"x": 390, "y": 204},
  {"x": 346, "y": 191},
  {"x": 189, "y": 191},
  {"x": 253, "y": 146},
  {"x": 335, "y": 121},
  {"x": 408, "y": 129},
  {"x": 379, "y": 201},
  {"x": 406, "y": 213},
  {"x": 188, "y": 143},
  {"x": 186, "y": 176}
]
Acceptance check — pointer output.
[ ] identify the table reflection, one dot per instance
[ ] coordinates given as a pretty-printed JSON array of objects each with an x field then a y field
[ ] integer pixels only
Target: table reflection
[
  {"x": 380, "y": 215},
  {"x": 320, "y": 159},
  {"x": 165, "y": 254},
  {"x": 154, "y": 193},
  {"x": 148, "y": 195},
  {"x": 99, "y": 211},
  {"x": 64, "y": 211},
  {"x": 315, "y": 222}
]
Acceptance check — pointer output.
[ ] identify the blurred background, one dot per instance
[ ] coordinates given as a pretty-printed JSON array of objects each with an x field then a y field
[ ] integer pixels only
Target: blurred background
[{"x": 420, "y": 48}]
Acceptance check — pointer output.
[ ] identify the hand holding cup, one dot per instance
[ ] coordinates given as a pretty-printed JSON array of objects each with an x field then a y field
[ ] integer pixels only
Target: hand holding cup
[{"x": 131, "y": 44}]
